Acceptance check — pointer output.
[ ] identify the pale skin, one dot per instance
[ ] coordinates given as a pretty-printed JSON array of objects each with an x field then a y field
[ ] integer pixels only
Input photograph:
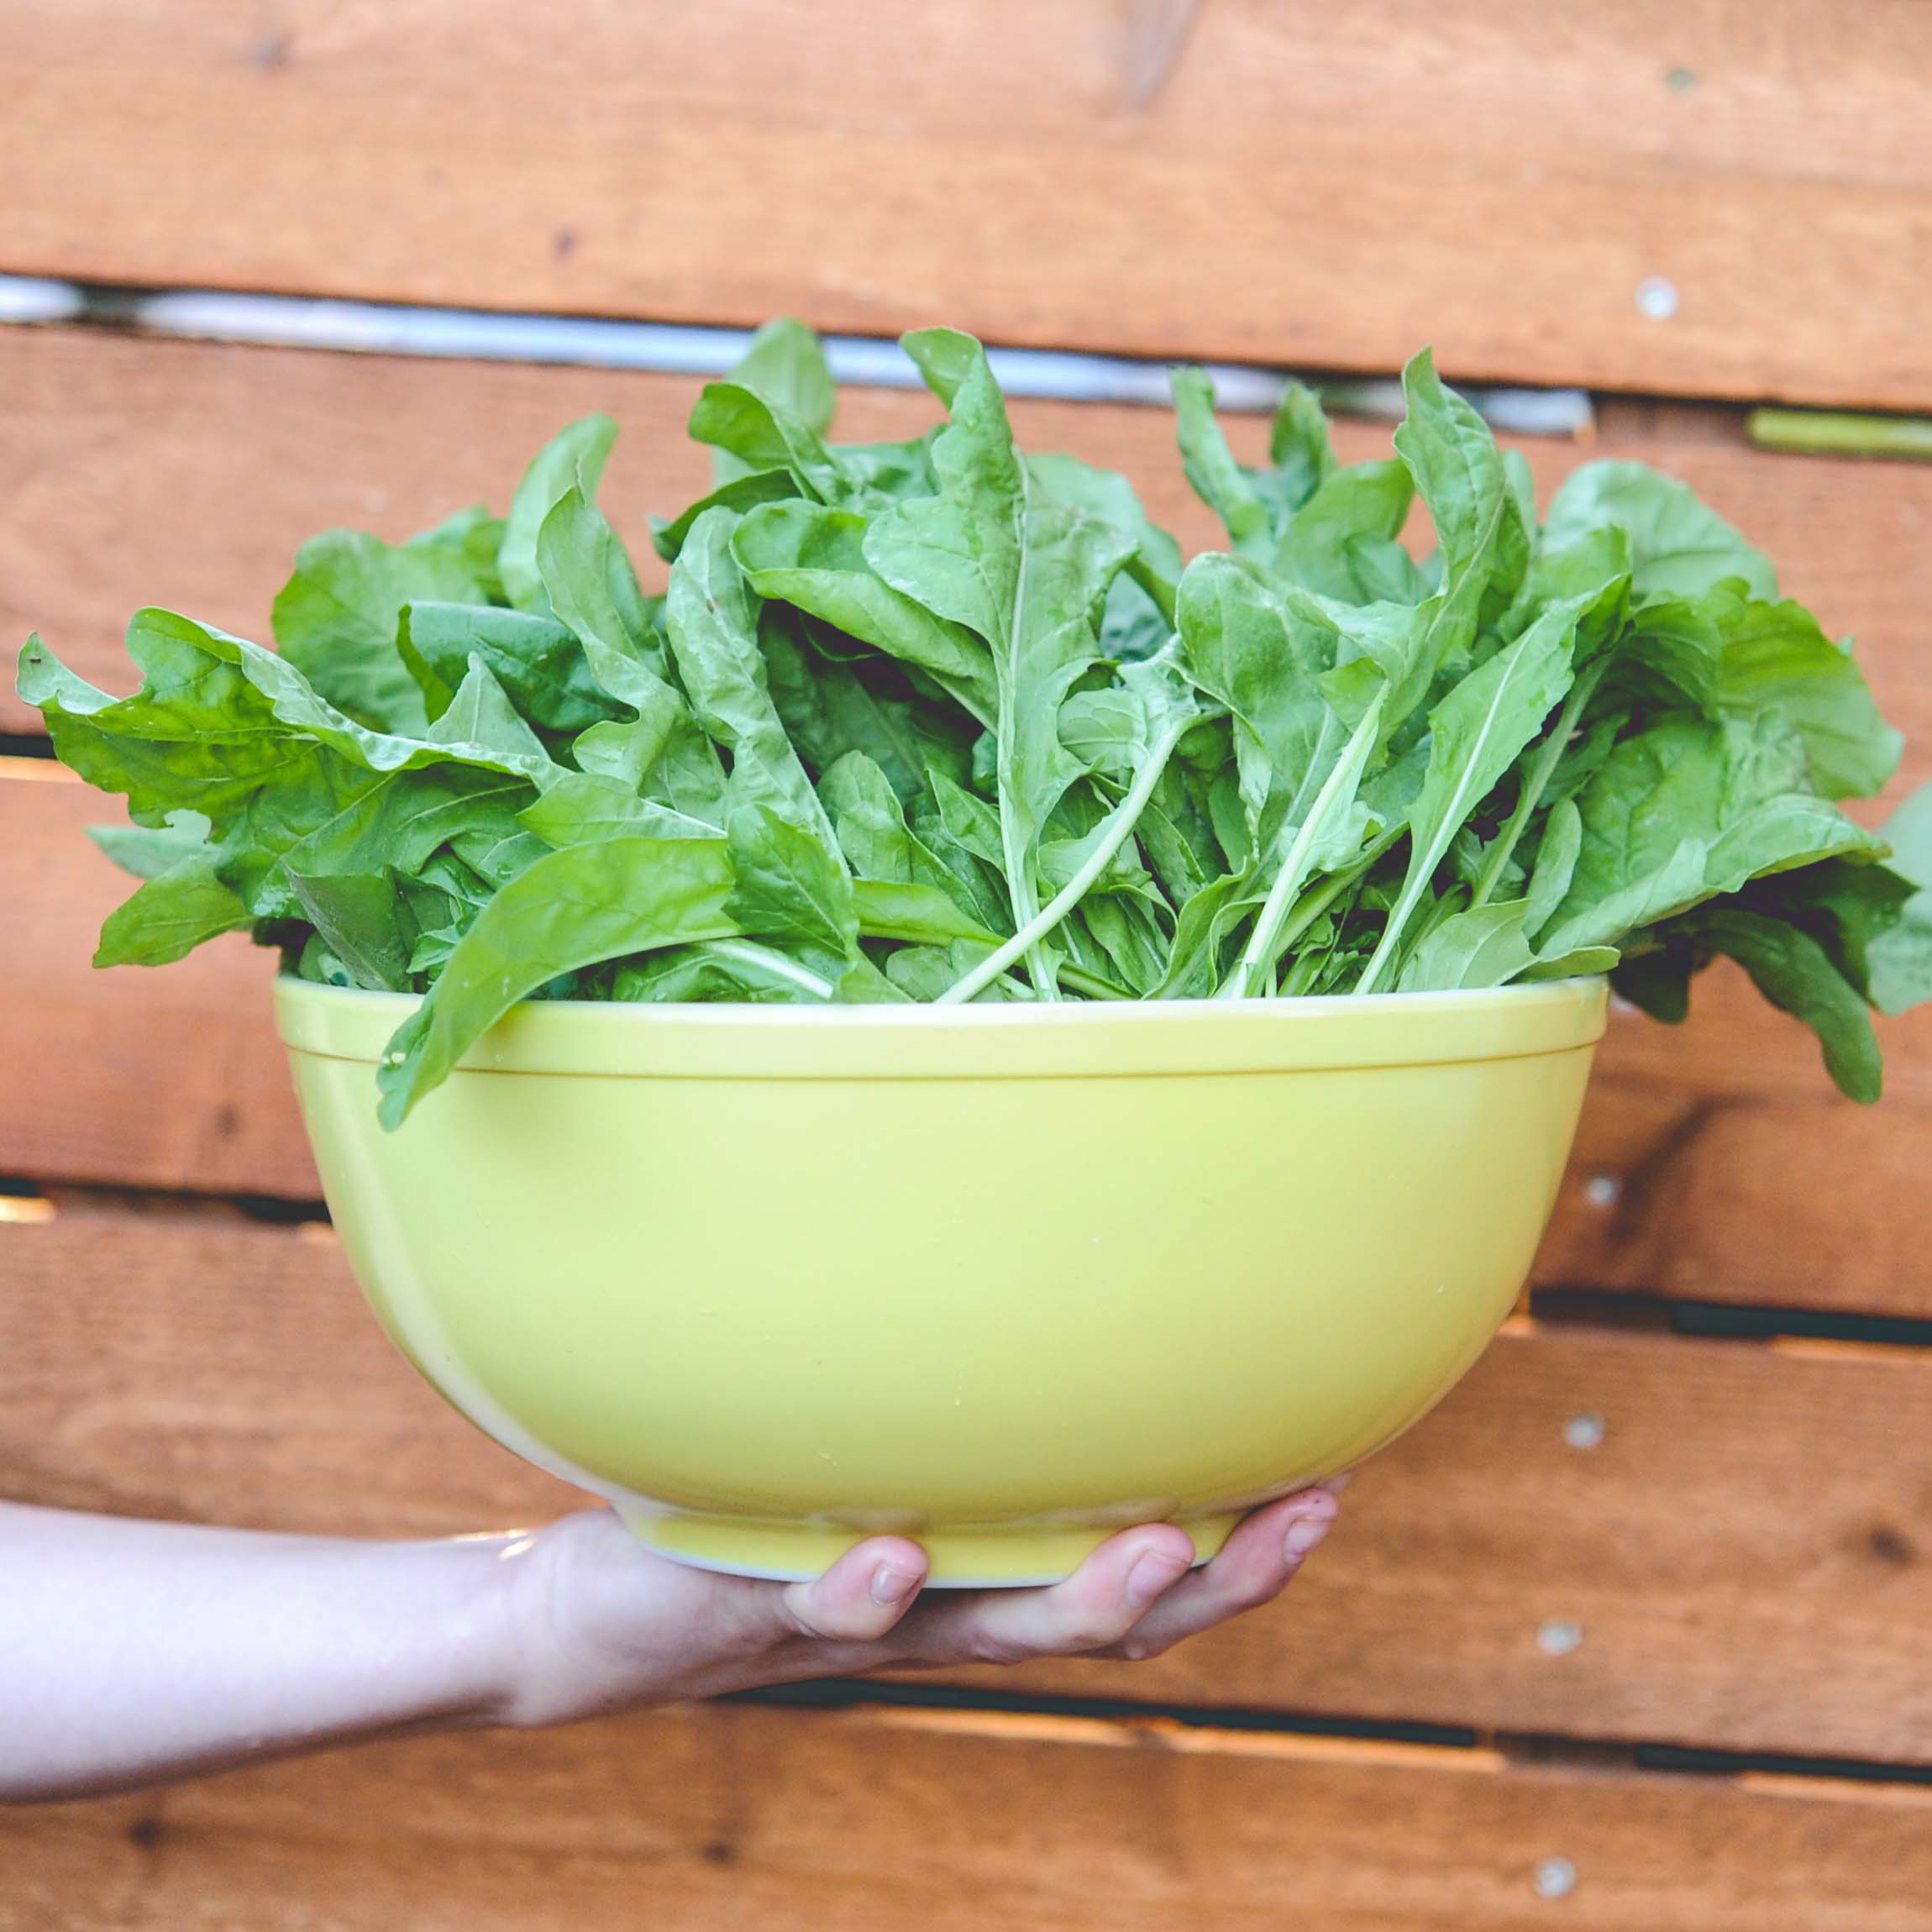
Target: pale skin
[{"x": 133, "y": 1652}]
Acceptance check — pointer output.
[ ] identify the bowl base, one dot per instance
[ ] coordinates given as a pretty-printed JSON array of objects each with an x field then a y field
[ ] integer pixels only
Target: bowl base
[{"x": 996, "y": 1557}]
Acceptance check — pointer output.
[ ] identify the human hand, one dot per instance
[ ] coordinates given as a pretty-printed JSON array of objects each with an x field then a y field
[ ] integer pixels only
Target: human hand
[{"x": 594, "y": 1622}]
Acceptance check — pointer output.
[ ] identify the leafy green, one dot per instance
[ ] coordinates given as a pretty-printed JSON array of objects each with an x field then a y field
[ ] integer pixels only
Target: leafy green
[{"x": 943, "y": 720}]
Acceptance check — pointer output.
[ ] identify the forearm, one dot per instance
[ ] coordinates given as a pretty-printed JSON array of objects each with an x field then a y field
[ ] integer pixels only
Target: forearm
[{"x": 133, "y": 1652}]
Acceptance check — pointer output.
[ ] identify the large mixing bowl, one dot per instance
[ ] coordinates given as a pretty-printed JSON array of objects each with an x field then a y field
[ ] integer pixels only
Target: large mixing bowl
[{"x": 1003, "y": 1278}]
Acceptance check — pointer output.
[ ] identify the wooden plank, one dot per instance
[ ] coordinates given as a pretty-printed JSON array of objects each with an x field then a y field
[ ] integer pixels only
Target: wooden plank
[
  {"x": 186, "y": 474},
  {"x": 1287, "y": 182},
  {"x": 1746, "y": 1552},
  {"x": 139, "y": 472},
  {"x": 169, "y": 1079},
  {"x": 1733, "y": 1172},
  {"x": 710, "y": 1817}
]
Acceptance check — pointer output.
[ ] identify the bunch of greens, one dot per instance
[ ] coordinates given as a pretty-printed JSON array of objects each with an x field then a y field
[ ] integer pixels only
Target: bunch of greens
[{"x": 940, "y": 721}]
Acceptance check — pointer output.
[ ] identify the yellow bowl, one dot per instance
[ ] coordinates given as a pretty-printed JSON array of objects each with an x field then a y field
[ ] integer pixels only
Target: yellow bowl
[{"x": 1004, "y": 1279}]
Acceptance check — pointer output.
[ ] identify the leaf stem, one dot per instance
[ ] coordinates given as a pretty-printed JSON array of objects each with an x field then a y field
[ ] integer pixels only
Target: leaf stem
[
  {"x": 1091, "y": 984},
  {"x": 1264, "y": 942},
  {"x": 1113, "y": 835},
  {"x": 1535, "y": 785},
  {"x": 1018, "y": 849},
  {"x": 775, "y": 964}
]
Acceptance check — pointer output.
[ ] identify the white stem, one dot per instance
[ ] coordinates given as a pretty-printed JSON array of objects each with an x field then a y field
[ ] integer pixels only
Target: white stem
[
  {"x": 1114, "y": 834},
  {"x": 775, "y": 964},
  {"x": 1294, "y": 868}
]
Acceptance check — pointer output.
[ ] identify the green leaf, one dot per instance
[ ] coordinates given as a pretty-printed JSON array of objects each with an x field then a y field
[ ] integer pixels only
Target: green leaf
[
  {"x": 1030, "y": 578},
  {"x": 740, "y": 496},
  {"x": 1688, "y": 811},
  {"x": 148, "y": 851},
  {"x": 481, "y": 715},
  {"x": 1354, "y": 516},
  {"x": 582, "y": 807},
  {"x": 1678, "y": 545},
  {"x": 829, "y": 708},
  {"x": 814, "y": 559},
  {"x": 760, "y": 435},
  {"x": 720, "y": 970},
  {"x": 1106, "y": 495},
  {"x": 172, "y": 914},
  {"x": 1794, "y": 972},
  {"x": 402, "y": 820},
  {"x": 573, "y": 909},
  {"x": 1255, "y": 505},
  {"x": 1224, "y": 485},
  {"x": 713, "y": 622},
  {"x": 1479, "y": 526},
  {"x": 1555, "y": 866},
  {"x": 539, "y": 664},
  {"x": 789, "y": 886},
  {"x": 574, "y": 459},
  {"x": 785, "y": 364},
  {"x": 335, "y": 620},
  {"x": 1475, "y": 734},
  {"x": 1899, "y": 960},
  {"x": 888, "y": 909},
  {"x": 1774, "y": 658},
  {"x": 1261, "y": 652},
  {"x": 364, "y": 919},
  {"x": 1483, "y": 946},
  {"x": 590, "y": 583},
  {"x": 865, "y": 810}
]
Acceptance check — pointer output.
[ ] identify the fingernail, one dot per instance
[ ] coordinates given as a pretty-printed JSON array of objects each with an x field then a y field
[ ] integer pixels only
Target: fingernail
[
  {"x": 892, "y": 1586},
  {"x": 1153, "y": 1574},
  {"x": 1303, "y": 1534},
  {"x": 1335, "y": 1484}
]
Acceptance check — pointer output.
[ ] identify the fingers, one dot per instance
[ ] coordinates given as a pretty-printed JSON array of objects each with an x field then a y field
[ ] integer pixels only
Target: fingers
[
  {"x": 860, "y": 1597},
  {"x": 1133, "y": 1598},
  {"x": 1254, "y": 1567},
  {"x": 1095, "y": 1607}
]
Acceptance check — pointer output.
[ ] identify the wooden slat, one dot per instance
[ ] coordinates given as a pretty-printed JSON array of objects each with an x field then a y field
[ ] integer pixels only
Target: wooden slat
[
  {"x": 168, "y": 1077},
  {"x": 139, "y": 472},
  {"x": 1747, "y": 1552},
  {"x": 135, "y": 472},
  {"x": 1290, "y": 181},
  {"x": 870, "y": 1820},
  {"x": 1736, "y": 1174}
]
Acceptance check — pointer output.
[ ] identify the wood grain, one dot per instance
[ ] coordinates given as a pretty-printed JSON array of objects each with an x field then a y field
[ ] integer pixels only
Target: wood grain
[
  {"x": 139, "y": 472},
  {"x": 1290, "y": 182},
  {"x": 1735, "y": 1172},
  {"x": 165, "y": 1079},
  {"x": 1747, "y": 1552},
  {"x": 877, "y": 1820}
]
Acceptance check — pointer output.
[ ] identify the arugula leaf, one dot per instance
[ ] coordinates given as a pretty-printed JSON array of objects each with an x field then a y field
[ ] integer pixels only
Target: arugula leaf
[
  {"x": 575, "y": 908},
  {"x": 940, "y": 719},
  {"x": 1688, "y": 811},
  {"x": 785, "y": 364},
  {"x": 1461, "y": 475},
  {"x": 789, "y": 886},
  {"x": 713, "y": 624},
  {"x": 813, "y": 558},
  {"x": 335, "y": 620},
  {"x": 1255, "y": 505},
  {"x": 573, "y": 459},
  {"x": 1475, "y": 734},
  {"x": 1795, "y": 973},
  {"x": 1029, "y": 577},
  {"x": 1679, "y": 546},
  {"x": 172, "y": 913}
]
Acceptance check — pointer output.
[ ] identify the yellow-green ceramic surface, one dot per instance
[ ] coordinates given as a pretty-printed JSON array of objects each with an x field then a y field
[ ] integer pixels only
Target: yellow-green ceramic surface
[{"x": 1004, "y": 1279}]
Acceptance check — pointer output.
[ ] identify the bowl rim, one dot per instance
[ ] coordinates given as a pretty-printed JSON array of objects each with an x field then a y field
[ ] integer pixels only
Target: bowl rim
[{"x": 1084, "y": 1038}]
